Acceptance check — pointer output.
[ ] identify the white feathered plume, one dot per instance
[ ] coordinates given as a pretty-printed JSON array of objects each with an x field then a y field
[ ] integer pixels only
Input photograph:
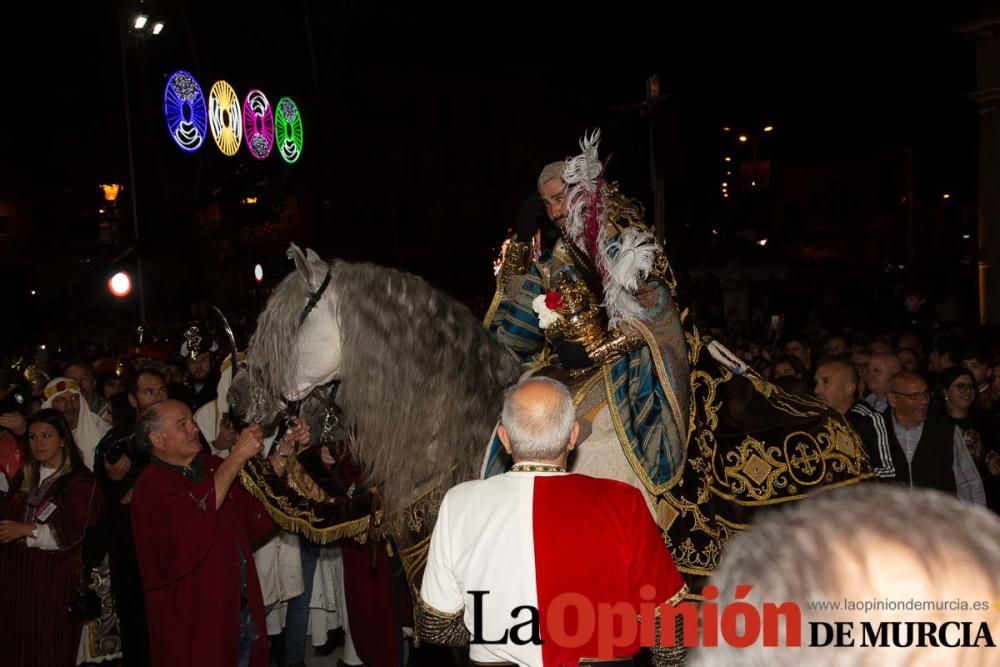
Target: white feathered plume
[
  {"x": 624, "y": 261},
  {"x": 581, "y": 176},
  {"x": 629, "y": 259}
]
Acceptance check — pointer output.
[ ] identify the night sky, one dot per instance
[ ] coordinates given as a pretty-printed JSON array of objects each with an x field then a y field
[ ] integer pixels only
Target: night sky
[
  {"x": 850, "y": 70},
  {"x": 440, "y": 116}
]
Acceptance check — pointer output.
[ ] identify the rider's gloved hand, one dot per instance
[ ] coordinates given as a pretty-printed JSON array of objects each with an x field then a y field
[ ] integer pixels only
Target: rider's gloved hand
[{"x": 530, "y": 217}]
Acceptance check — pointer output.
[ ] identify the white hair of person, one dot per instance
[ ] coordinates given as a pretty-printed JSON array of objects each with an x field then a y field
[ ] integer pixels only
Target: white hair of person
[
  {"x": 825, "y": 547},
  {"x": 550, "y": 171},
  {"x": 538, "y": 432}
]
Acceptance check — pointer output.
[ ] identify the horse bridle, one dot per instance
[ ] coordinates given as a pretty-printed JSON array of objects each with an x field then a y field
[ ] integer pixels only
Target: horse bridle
[{"x": 314, "y": 297}]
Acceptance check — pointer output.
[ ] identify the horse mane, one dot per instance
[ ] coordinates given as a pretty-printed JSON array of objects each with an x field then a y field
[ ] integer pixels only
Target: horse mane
[
  {"x": 273, "y": 348},
  {"x": 421, "y": 380}
]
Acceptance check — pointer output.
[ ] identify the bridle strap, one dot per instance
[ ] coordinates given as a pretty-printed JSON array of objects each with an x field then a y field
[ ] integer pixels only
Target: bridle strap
[{"x": 314, "y": 298}]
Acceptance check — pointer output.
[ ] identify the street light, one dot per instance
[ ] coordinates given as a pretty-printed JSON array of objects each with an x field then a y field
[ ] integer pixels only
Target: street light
[
  {"x": 110, "y": 191},
  {"x": 138, "y": 31},
  {"x": 753, "y": 138},
  {"x": 120, "y": 284},
  {"x": 142, "y": 26}
]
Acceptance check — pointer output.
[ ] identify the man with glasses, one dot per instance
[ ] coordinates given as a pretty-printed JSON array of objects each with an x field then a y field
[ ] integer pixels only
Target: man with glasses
[{"x": 928, "y": 450}]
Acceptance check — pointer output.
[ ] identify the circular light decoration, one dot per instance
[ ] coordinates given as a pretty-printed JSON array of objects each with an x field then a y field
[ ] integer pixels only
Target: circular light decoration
[
  {"x": 224, "y": 118},
  {"x": 258, "y": 273},
  {"x": 258, "y": 124},
  {"x": 288, "y": 130},
  {"x": 120, "y": 284},
  {"x": 184, "y": 107}
]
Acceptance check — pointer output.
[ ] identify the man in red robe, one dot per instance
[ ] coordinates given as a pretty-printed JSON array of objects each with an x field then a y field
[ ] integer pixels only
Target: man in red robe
[
  {"x": 510, "y": 555},
  {"x": 194, "y": 534}
]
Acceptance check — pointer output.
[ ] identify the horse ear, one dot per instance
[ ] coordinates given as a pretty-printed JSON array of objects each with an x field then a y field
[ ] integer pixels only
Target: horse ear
[
  {"x": 315, "y": 261},
  {"x": 318, "y": 267},
  {"x": 302, "y": 263}
]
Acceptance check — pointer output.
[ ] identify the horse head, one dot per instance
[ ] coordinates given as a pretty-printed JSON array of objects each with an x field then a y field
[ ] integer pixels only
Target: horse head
[
  {"x": 318, "y": 345},
  {"x": 420, "y": 380},
  {"x": 297, "y": 344}
]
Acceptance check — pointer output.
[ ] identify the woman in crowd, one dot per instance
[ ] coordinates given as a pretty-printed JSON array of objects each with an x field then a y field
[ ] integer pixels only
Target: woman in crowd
[
  {"x": 957, "y": 391},
  {"x": 44, "y": 518}
]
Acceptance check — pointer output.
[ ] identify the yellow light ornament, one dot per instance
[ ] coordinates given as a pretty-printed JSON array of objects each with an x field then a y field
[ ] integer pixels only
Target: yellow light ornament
[{"x": 225, "y": 118}]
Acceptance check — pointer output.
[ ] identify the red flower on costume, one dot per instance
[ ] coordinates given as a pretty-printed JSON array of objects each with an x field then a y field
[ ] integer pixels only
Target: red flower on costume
[{"x": 553, "y": 300}]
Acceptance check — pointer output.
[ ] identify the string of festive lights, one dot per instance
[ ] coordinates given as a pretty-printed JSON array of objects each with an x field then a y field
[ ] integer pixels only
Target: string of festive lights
[{"x": 190, "y": 118}]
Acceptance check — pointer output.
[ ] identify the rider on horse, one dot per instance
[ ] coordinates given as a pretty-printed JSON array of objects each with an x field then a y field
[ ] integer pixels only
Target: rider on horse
[{"x": 708, "y": 438}]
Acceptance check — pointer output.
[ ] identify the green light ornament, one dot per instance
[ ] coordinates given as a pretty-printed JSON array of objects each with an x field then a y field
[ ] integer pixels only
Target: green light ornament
[{"x": 288, "y": 130}]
